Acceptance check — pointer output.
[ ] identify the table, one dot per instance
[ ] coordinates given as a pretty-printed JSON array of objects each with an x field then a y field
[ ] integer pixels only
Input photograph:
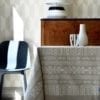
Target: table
[{"x": 65, "y": 73}]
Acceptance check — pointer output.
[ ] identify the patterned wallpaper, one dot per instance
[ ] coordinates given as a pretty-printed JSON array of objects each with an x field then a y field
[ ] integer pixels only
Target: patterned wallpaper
[
  {"x": 86, "y": 9},
  {"x": 5, "y": 20},
  {"x": 31, "y": 11}
]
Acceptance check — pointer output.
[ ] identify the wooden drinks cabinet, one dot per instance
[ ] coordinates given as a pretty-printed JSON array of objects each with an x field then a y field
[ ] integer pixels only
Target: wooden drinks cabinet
[{"x": 56, "y": 31}]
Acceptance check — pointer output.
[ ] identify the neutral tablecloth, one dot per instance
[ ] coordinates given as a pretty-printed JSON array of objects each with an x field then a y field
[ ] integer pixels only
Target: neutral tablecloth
[{"x": 65, "y": 73}]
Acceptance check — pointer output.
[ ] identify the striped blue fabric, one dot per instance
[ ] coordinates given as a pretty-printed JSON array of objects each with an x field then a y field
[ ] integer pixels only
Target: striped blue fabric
[{"x": 14, "y": 55}]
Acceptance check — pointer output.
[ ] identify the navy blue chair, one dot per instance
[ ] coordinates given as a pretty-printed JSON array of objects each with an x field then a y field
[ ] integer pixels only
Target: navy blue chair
[{"x": 14, "y": 58}]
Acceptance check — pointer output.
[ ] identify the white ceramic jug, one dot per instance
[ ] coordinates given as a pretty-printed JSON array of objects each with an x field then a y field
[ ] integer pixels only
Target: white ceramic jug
[{"x": 82, "y": 39}]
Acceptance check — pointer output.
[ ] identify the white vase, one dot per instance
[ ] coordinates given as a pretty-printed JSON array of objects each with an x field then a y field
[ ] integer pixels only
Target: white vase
[{"x": 82, "y": 37}]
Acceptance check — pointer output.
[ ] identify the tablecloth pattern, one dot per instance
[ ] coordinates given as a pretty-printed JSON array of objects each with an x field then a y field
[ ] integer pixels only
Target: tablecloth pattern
[{"x": 65, "y": 73}]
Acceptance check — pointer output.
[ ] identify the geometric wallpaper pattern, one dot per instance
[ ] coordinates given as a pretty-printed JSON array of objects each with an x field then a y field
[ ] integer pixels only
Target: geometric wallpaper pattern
[
  {"x": 30, "y": 12},
  {"x": 86, "y": 8},
  {"x": 25, "y": 9}
]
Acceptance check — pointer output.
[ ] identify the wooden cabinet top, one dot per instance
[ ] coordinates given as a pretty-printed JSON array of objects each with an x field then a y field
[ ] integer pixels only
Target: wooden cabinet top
[{"x": 68, "y": 19}]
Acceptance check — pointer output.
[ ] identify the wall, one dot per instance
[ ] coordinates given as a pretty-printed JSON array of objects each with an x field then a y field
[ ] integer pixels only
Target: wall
[
  {"x": 5, "y": 20},
  {"x": 28, "y": 11},
  {"x": 86, "y": 9}
]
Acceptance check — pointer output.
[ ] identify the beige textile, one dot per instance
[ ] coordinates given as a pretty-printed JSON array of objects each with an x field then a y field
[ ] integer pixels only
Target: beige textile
[{"x": 65, "y": 73}]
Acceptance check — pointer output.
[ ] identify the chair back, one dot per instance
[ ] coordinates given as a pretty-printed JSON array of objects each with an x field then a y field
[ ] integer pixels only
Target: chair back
[{"x": 14, "y": 55}]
